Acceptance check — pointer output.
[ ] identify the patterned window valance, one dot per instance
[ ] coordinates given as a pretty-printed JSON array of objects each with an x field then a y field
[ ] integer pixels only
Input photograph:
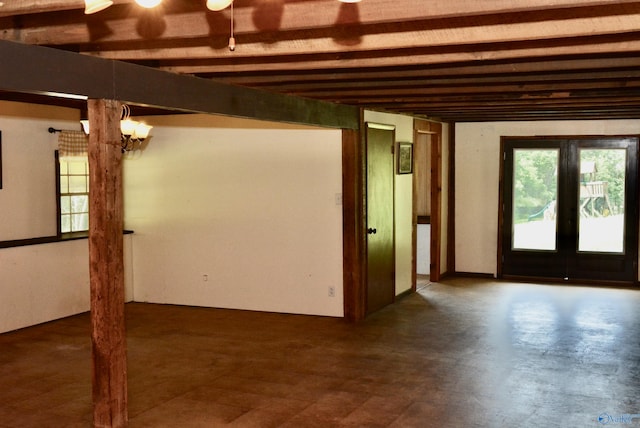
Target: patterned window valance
[{"x": 72, "y": 143}]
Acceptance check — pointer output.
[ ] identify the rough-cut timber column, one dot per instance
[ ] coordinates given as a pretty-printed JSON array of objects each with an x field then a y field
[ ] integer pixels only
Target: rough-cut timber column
[
  {"x": 354, "y": 218},
  {"x": 107, "y": 265}
]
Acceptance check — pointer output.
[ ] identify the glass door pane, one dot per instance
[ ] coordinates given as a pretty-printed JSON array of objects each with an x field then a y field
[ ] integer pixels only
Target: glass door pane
[
  {"x": 535, "y": 194},
  {"x": 601, "y": 201}
]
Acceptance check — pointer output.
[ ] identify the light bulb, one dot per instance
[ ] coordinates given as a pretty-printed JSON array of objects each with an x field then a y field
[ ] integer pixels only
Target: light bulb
[
  {"x": 93, "y": 6},
  {"x": 218, "y": 5},
  {"x": 128, "y": 126},
  {"x": 142, "y": 131},
  {"x": 148, "y": 3}
]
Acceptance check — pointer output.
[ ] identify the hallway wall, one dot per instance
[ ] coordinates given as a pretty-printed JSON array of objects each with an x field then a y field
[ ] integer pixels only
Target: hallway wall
[{"x": 239, "y": 214}]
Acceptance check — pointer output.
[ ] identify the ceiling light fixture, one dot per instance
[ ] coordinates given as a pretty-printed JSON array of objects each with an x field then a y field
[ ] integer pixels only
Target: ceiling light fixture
[
  {"x": 133, "y": 133},
  {"x": 93, "y": 6},
  {"x": 148, "y": 4},
  {"x": 218, "y": 5}
]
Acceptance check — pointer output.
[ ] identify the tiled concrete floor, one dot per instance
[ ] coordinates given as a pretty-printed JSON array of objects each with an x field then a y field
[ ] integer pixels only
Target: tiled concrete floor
[{"x": 462, "y": 353}]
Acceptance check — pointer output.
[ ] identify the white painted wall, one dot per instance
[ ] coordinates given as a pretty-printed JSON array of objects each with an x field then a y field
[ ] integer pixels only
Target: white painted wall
[
  {"x": 38, "y": 283},
  {"x": 404, "y": 199},
  {"x": 250, "y": 204},
  {"x": 477, "y": 154},
  {"x": 29, "y": 189}
]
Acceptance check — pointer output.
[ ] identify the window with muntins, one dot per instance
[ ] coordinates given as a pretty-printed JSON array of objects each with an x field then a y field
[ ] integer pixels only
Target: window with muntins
[{"x": 74, "y": 195}]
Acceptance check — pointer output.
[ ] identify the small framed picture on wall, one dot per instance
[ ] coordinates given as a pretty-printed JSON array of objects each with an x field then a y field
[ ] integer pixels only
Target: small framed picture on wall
[{"x": 405, "y": 158}]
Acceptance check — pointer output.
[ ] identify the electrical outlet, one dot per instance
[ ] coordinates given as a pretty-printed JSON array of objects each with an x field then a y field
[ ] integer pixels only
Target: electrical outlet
[
  {"x": 205, "y": 277},
  {"x": 338, "y": 197},
  {"x": 332, "y": 291}
]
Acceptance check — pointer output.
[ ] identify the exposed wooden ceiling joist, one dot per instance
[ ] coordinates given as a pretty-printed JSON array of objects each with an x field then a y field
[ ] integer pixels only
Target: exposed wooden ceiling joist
[
  {"x": 456, "y": 59},
  {"x": 369, "y": 10}
]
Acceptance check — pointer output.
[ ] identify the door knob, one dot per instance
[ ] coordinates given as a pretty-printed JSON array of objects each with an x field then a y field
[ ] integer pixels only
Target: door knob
[{"x": 371, "y": 231}]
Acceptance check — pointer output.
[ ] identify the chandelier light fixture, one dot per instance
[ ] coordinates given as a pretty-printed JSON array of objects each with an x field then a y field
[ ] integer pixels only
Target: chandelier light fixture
[
  {"x": 94, "y": 6},
  {"x": 133, "y": 133}
]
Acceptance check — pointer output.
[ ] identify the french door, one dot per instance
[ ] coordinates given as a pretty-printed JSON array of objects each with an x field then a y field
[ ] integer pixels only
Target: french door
[{"x": 570, "y": 208}]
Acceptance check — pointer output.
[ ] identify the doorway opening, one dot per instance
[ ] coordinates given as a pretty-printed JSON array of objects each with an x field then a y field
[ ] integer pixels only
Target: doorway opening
[
  {"x": 427, "y": 202},
  {"x": 569, "y": 208},
  {"x": 422, "y": 177}
]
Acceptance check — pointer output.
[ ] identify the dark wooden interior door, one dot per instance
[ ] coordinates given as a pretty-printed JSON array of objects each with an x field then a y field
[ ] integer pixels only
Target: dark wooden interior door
[
  {"x": 570, "y": 208},
  {"x": 380, "y": 216}
]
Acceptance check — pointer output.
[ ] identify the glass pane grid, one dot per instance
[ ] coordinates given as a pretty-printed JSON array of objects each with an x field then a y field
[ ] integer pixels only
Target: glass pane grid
[{"x": 74, "y": 196}]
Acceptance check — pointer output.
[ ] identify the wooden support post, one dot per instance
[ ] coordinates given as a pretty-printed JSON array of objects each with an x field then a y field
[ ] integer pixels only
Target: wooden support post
[{"x": 106, "y": 221}]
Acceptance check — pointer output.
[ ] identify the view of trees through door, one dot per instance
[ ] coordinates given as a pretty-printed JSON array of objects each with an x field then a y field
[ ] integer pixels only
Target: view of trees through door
[
  {"x": 570, "y": 208},
  {"x": 602, "y": 199}
]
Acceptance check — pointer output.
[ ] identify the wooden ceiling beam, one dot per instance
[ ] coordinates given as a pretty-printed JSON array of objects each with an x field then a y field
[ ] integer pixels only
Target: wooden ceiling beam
[
  {"x": 494, "y": 111},
  {"x": 356, "y": 83},
  {"x": 560, "y": 30},
  {"x": 478, "y": 55},
  {"x": 470, "y": 70},
  {"x": 20, "y": 7},
  {"x": 497, "y": 99},
  {"x": 525, "y": 104},
  {"x": 529, "y": 89},
  {"x": 454, "y": 83},
  {"x": 466, "y": 115},
  {"x": 474, "y": 59},
  {"x": 535, "y": 116},
  {"x": 447, "y": 112},
  {"x": 39, "y": 70},
  {"x": 259, "y": 16}
]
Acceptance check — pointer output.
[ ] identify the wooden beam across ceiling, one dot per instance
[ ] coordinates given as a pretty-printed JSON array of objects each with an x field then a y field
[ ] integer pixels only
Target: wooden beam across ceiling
[
  {"x": 542, "y": 67},
  {"x": 370, "y": 9},
  {"x": 34, "y": 69},
  {"x": 372, "y": 54},
  {"x": 327, "y": 43}
]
